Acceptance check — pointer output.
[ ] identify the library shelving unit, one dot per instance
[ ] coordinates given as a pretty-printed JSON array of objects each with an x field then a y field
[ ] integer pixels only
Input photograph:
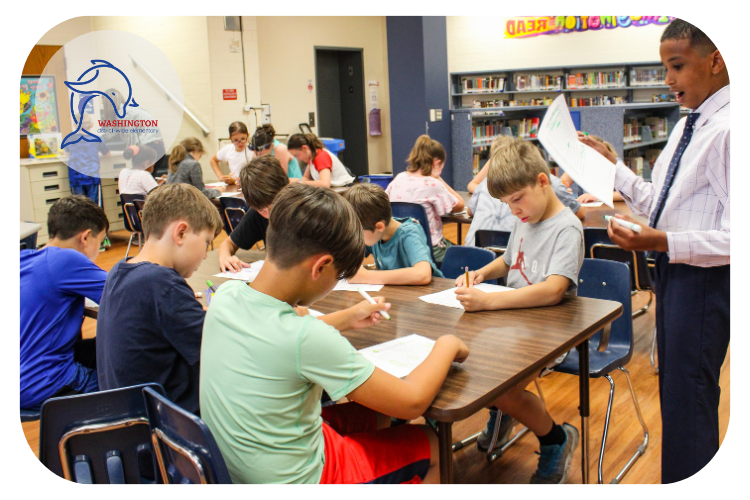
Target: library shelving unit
[{"x": 603, "y": 100}]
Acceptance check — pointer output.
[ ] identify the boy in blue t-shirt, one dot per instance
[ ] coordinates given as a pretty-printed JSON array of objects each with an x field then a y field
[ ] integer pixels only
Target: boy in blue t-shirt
[
  {"x": 54, "y": 281},
  {"x": 83, "y": 167},
  {"x": 399, "y": 246}
]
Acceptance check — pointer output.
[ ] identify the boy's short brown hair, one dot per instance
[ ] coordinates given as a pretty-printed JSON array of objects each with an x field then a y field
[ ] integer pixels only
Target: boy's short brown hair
[
  {"x": 171, "y": 202},
  {"x": 500, "y": 142},
  {"x": 262, "y": 179},
  {"x": 514, "y": 167},
  {"x": 370, "y": 203},
  {"x": 74, "y": 214},
  {"x": 307, "y": 220}
]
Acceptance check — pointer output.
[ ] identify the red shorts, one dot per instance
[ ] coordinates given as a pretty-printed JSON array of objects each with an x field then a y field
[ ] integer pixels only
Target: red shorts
[{"x": 356, "y": 452}]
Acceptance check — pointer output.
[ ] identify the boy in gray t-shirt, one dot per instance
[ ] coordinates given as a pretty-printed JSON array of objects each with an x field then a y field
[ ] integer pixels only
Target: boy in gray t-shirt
[{"x": 544, "y": 255}]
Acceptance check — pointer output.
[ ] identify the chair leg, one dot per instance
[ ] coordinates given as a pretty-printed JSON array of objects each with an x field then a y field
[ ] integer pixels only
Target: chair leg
[
  {"x": 645, "y": 308},
  {"x": 653, "y": 353},
  {"x": 494, "y": 455},
  {"x": 606, "y": 425},
  {"x": 139, "y": 242},
  {"x": 642, "y": 448},
  {"x": 130, "y": 241}
]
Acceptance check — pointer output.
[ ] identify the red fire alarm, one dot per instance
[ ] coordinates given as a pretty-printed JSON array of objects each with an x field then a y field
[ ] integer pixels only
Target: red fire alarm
[{"x": 230, "y": 94}]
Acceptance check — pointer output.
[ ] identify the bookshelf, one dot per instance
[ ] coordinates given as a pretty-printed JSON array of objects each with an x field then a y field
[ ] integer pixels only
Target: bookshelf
[{"x": 603, "y": 99}]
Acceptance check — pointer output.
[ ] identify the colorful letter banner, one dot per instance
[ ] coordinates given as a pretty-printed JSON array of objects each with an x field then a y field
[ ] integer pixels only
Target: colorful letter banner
[{"x": 523, "y": 27}]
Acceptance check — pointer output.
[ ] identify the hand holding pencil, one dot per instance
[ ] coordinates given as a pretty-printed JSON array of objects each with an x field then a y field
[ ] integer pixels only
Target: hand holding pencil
[{"x": 471, "y": 277}]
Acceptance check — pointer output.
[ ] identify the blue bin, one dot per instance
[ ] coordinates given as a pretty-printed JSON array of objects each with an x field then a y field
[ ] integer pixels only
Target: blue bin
[
  {"x": 380, "y": 180},
  {"x": 334, "y": 145}
]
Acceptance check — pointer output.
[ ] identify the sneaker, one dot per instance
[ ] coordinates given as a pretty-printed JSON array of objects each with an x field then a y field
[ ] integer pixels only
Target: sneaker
[
  {"x": 554, "y": 460},
  {"x": 106, "y": 243},
  {"x": 506, "y": 426}
]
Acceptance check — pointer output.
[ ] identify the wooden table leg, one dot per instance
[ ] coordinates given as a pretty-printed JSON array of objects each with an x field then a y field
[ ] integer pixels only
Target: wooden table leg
[
  {"x": 583, "y": 386},
  {"x": 459, "y": 229},
  {"x": 445, "y": 446}
]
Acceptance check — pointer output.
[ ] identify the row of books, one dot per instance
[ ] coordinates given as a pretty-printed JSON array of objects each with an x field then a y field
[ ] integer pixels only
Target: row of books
[
  {"x": 596, "y": 79},
  {"x": 487, "y": 84},
  {"x": 486, "y": 131},
  {"x": 647, "y": 76},
  {"x": 539, "y": 82},
  {"x": 601, "y": 100},
  {"x": 632, "y": 129},
  {"x": 503, "y": 103},
  {"x": 663, "y": 98},
  {"x": 643, "y": 165}
]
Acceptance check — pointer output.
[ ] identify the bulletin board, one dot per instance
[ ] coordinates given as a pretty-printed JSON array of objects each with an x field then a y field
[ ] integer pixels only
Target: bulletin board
[{"x": 42, "y": 117}]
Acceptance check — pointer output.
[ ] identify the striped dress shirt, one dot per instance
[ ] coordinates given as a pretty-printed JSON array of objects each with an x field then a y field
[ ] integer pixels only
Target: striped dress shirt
[{"x": 696, "y": 212}]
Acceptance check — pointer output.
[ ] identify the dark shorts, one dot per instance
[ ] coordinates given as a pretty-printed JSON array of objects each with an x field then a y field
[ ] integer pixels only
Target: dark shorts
[{"x": 356, "y": 452}]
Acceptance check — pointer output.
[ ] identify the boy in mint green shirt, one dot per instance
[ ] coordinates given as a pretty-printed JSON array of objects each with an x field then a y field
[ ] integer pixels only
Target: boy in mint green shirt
[
  {"x": 263, "y": 367},
  {"x": 399, "y": 246}
]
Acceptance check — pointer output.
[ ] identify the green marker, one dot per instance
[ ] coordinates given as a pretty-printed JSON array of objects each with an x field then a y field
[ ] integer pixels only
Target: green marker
[
  {"x": 211, "y": 286},
  {"x": 585, "y": 133}
]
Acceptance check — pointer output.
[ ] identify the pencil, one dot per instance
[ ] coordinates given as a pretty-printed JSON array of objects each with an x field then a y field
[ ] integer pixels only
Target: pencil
[{"x": 467, "y": 276}]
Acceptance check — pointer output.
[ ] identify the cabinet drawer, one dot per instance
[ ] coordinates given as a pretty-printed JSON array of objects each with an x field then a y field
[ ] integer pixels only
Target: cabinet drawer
[
  {"x": 40, "y": 215},
  {"x": 116, "y": 226},
  {"x": 45, "y": 201},
  {"x": 48, "y": 172},
  {"x": 114, "y": 215},
  {"x": 112, "y": 204},
  {"x": 50, "y": 186},
  {"x": 110, "y": 191},
  {"x": 108, "y": 181}
]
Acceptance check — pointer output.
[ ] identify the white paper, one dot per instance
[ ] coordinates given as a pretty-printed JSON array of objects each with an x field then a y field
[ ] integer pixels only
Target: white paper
[
  {"x": 315, "y": 313},
  {"x": 246, "y": 274},
  {"x": 399, "y": 356},
  {"x": 592, "y": 171},
  {"x": 592, "y": 204},
  {"x": 90, "y": 303},
  {"x": 216, "y": 184},
  {"x": 233, "y": 194},
  {"x": 448, "y": 298},
  {"x": 344, "y": 285}
]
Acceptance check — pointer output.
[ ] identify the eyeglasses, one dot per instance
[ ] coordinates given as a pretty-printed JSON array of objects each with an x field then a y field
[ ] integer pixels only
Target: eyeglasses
[
  {"x": 239, "y": 141},
  {"x": 260, "y": 148}
]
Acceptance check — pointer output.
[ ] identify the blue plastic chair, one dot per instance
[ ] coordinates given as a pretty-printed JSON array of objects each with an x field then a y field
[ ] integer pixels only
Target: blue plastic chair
[
  {"x": 497, "y": 241},
  {"x": 101, "y": 437},
  {"x": 132, "y": 217},
  {"x": 419, "y": 214},
  {"x": 458, "y": 257},
  {"x": 185, "y": 449},
  {"x": 29, "y": 415},
  {"x": 593, "y": 236},
  {"x": 608, "y": 280},
  {"x": 232, "y": 211}
]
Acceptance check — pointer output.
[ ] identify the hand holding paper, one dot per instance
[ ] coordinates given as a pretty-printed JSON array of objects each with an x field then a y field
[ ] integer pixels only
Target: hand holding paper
[{"x": 592, "y": 171}]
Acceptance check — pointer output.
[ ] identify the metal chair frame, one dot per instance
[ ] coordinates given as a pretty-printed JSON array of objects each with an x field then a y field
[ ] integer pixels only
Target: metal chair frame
[{"x": 157, "y": 436}]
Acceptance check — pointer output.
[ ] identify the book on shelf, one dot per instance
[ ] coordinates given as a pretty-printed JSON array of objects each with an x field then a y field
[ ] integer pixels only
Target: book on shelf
[
  {"x": 596, "y": 80},
  {"x": 485, "y": 84},
  {"x": 631, "y": 131},
  {"x": 538, "y": 82},
  {"x": 659, "y": 127},
  {"x": 647, "y": 76},
  {"x": 525, "y": 128},
  {"x": 485, "y": 131},
  {"x": 496, "y": 103},
  {"x": 662, "y": 98},
  {"x": 602, "y": 100},
  {"x": 635, "y": 164}
]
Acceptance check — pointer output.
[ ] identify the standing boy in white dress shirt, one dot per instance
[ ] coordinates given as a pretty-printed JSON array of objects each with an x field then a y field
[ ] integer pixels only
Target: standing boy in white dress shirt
[{"x": 687, "y": 204}]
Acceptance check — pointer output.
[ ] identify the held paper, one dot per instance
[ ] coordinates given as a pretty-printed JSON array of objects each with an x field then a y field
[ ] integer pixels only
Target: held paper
[{"x": 593, "y": 172}]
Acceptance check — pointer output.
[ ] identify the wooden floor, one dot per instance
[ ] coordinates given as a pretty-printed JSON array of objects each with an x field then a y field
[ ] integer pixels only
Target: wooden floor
[{"x": 561, "y": 394}]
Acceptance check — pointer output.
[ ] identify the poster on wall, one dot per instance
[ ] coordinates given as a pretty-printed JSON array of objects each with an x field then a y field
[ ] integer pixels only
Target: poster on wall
[
  {"x": 527, "y": 26},
  {"x": 41, "y": 117}
]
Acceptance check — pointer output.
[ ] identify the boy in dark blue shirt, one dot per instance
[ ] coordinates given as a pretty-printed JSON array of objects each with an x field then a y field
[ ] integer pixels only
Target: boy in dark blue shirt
[
  {"x": 398, "y": 245},
  {"x": 54, "y": 281},
  {"x": 150, "y": 325}
]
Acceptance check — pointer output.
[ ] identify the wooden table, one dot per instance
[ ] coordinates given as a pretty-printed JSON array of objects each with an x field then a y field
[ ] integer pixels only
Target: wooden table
[
  {"x": 506, "y": 347},
  {"x": 459, "y": 219}
]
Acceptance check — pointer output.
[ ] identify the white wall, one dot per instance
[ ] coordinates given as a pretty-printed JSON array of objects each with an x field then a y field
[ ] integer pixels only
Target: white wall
[
  {"x": 286, "y": 50},
  {"x": 472, "y": 46},
  {"x": 66, "y": 31}
]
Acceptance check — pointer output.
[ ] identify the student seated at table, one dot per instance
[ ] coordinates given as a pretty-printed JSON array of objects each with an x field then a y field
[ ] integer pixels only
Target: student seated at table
[
  {"x": 399, "y": 246},
  {"x": 263, "y": 178},
  {"x": 324, "y": 169},
  {"x": 263, "y": 367},
  {"x": 491, "y": 214},
  {"x": 421, "y": 183},
  {"x": 544, "y": 256},
  {"x": 184, "y": 167},
  {"x": 54, "y": 281},
  {"x": 150, "y": 324}
]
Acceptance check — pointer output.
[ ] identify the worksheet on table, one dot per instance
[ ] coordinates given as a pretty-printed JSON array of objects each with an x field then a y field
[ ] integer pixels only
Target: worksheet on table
[
  {"x": 447, "y": 298},
  {"x": 399, "y": 356},
  {"x": 592, "y": 171},
  {"x": 246, "y": 274}
]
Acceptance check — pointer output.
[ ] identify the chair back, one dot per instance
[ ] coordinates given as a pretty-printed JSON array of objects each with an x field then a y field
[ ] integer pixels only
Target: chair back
[
  {"x": 185, "y": 449},
  {"x": 416, "y": 212},
  {"x": 610, "y": 280},
  {"x": 484, "y": 238},
  {"x": 640, "y": 277},
  {"x": 592, "y": 236},
  {"x": 101, "y": 437},
  {"x": 130, "y": 212},
  {"x": 232, "y": 211},
  {"x": 305, "y": 128},
  {"x": 457, "y": 258}
]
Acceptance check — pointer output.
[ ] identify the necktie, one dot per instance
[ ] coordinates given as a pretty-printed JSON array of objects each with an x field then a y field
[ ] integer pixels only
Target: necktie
[{"x": 687, "y": 134}]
